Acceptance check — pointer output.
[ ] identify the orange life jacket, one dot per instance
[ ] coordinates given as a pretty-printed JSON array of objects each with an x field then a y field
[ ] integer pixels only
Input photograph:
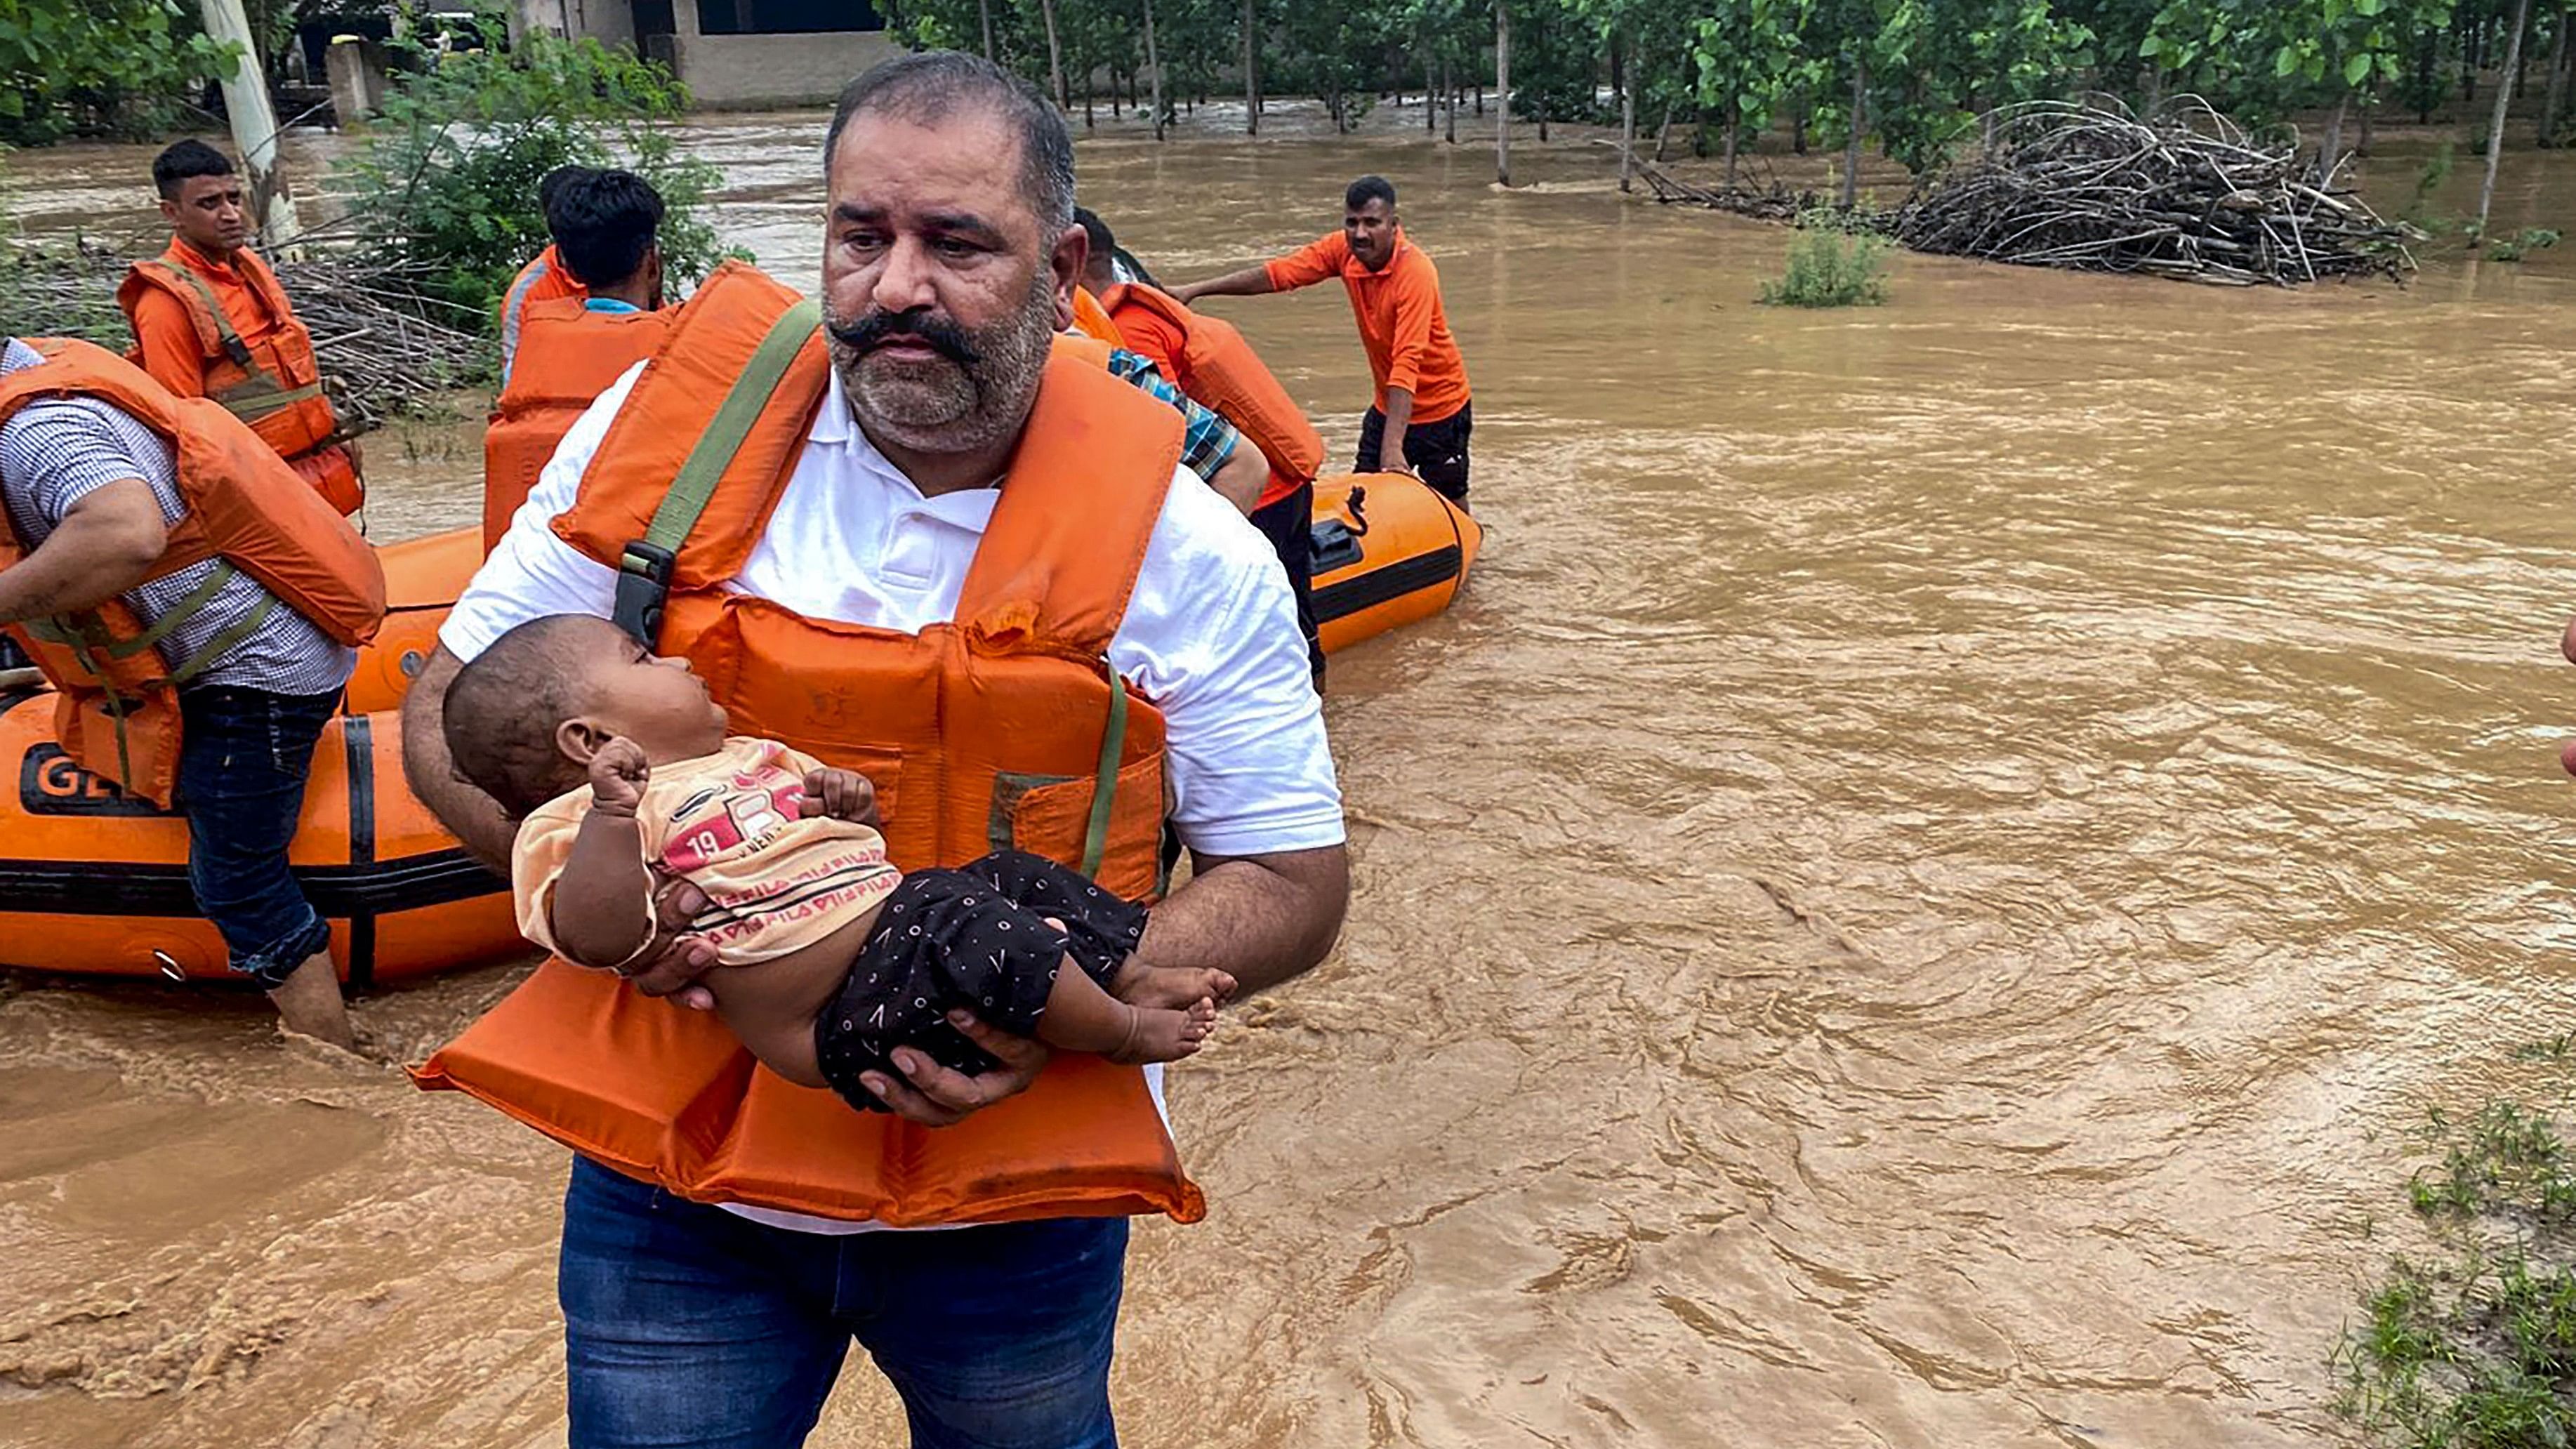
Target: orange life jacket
[
  {"x": 568, "y": 356},
  {"x": 275, "y": 385},
  {"x": 118, "y": 714},
  {"x": 1006, "y": 727},
  {"x": 1091, "y": 319},
  {"x": 1221, "y": 372},
  {"x": 543, "y": 279}
]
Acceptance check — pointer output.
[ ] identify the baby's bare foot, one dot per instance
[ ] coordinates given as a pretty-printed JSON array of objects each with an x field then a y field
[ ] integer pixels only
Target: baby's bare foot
[
  {"x": 1159, "y": 1034},
  {"x": 1172, "y": 986}
]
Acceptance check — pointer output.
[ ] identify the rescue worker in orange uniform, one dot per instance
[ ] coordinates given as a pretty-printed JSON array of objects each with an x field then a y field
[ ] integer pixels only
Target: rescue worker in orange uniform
[
  {"x": 896, "y": 528},
  {"x": 196, "y": 604},
  {"x": 1156, "y": 325},
  {"x": 543, "y": 279},
  {"x": 211, "y": 321},
  {"x": 1422, "y": 398},
  {"x": 572, "y": 348}
]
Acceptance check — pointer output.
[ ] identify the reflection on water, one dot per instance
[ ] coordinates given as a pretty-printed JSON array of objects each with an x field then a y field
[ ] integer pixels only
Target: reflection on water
[{"x": 1907, "y": 904}]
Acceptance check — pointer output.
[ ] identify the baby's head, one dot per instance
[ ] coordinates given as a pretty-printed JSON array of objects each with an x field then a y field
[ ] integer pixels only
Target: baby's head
[{"x": 525, "y": 717}]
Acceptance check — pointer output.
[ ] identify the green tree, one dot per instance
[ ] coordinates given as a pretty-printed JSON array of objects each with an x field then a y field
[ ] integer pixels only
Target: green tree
[
  {"x": 1749, "y": 59},
  {"x": 449, "y": 172},
  {"x": 2267, "y": 57},
  {"x": 99, "y": 67}
]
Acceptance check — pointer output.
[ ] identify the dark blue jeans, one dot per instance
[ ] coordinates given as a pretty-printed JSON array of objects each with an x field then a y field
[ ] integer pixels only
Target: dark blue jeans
[
  {"x": 244, "y": 755},
  {"x": 687, "y": 1325}
]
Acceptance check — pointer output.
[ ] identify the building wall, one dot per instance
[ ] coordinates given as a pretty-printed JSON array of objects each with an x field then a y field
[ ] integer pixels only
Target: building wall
[
  {"x": 754, "y": 70},
  {"x": 610, "y": 22}
]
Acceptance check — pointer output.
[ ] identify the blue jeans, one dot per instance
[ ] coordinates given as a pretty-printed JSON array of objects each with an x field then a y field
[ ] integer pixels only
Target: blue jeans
[
  {"x": 687, "y": 1325},
  {"x": 244, "y": 755}
]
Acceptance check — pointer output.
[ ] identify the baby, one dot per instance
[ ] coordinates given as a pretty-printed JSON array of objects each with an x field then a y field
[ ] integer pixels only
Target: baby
[{"x": 616, "y": 764}]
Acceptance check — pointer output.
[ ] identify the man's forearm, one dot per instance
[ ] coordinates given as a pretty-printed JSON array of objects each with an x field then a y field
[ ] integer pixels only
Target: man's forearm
[
  {"x": 1243, "y": 477},
  {"x": 1250, "y": 282},
  {"x": 1399, "y": 416},
  {"x": 104, "y": 546},
  {"x": 1264, "y": 919},
  {"x": 471, "y": 814}
]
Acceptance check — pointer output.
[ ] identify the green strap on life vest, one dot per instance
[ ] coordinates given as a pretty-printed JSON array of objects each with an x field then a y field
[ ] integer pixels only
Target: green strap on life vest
[{"x": 85, "y": 635}]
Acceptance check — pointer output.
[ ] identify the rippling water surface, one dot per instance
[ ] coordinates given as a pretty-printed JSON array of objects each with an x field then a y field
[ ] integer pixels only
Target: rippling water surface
[{"x": 1911, "y": 903}]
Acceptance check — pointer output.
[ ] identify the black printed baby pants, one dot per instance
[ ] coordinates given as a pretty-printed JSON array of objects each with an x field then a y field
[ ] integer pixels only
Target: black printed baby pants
[{"x": 977, "y": 938}]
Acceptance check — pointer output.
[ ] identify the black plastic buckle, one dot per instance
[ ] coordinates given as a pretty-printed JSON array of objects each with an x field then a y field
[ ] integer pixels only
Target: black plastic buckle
[{"x": 643, "y": 586}]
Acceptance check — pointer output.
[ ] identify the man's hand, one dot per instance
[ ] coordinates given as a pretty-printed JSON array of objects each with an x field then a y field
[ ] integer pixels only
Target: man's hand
[
  {"x": 934, "y": 1096},
  {"x": 840, "y": 795},
  {"x": 618, "y": 774},
  {"x": 672, "y": 965},
  {"x": 1185, "y": 293}
]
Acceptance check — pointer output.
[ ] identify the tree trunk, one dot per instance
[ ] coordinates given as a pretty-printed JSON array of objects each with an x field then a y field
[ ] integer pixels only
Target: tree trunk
[
  {"x": 1542, "y": 122},
  {"x": 1251, "y": 73},
  {"x": 1449, "y": 94},
  {"x": 1859, "y": 123},
  {"x": 1627, "y": 137},
  {"x": 1734, "y": 127},
  {"x": 1664, "y": 132},
  {"x": 1430, "y": 97},
  {"x": 2369, "y": 122},
  {"x": 2330, "y": 152},
  {"x": 1480, "y": 98},
  {"x": 2555, "y": 96},
  {"x": 1055, "y": 58},
  {"x": 1154, "y": 58},
  {"x": 2431, "y": 57},
  {"x": 986, "y": 8},
  {"x": 1798, "y": 129},
  {"x": 1502, "y": 92},
  {"x": 2495, "y": 125}
]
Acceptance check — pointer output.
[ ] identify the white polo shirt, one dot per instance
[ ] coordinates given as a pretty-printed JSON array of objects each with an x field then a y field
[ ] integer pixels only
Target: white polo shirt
[{"x": 1210, "y": 635}]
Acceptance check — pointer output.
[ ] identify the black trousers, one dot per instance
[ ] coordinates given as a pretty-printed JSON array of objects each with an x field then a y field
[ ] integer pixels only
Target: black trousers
[
  {"x": 974, "y": 937},
  {"x": 1289, "y": 525},
  {"x": 1438, "y": 451}
]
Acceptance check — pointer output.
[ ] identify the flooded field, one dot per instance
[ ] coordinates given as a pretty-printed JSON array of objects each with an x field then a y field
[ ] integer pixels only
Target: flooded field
[{"x": 1911, "y": 903}]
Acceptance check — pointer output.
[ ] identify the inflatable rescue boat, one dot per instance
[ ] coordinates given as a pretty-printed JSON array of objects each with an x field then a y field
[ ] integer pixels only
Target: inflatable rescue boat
[
  {"x": 1388, "y": 550},
  {"x": 95, "y": 882}
]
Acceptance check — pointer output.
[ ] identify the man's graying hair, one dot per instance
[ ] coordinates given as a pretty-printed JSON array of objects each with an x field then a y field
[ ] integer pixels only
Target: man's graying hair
[{"x": 927, "y": 88}]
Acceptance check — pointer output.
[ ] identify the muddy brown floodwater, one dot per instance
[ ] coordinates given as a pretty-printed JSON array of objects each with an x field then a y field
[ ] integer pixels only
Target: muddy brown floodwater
[{"x": 1910, "y": 903}]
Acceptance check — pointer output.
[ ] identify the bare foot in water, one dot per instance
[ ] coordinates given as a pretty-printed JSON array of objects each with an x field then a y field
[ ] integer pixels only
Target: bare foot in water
[
  {"x": 1171, "y": 986},
  {"x": 1158, "y": 1034}
]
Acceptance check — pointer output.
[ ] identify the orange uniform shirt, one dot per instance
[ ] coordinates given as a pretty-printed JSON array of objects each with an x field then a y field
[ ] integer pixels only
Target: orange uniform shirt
[
  {"x": 1402, "y": 326},
  {"x": 168, "y": 341}
]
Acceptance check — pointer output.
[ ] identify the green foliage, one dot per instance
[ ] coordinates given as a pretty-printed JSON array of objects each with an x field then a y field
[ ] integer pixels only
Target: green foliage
[
  {"x": 1831, "y": 266},
  {"x": 2270, "y": 56},
  {"x": 447, "y": 180},
  {"x": 2476, "y": 1348},
  {"x": 99, "y": 67},
  {"x": 2521, "y": 244}
]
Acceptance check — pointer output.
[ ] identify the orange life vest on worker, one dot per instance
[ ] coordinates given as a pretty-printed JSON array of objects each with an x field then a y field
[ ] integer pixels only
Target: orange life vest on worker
[
  {"x": 118, "y": 714},
  {"x": 1006, "y": 727},
  {"x": 1221, "y": 372},
  {"x": 274, "y": 385},
  {"x": 543, "y": 279},
  {"x": 568, "y": 355}
]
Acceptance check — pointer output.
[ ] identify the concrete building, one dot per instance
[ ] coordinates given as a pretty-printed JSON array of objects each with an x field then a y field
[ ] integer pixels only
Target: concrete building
[{"x": 733, "y": 52}]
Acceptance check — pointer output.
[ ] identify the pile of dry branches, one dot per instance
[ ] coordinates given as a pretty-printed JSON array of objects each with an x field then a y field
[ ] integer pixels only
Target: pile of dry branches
[
  {"x": 383, "y": 343},
  {"x": 2181, "y": 192},
  {"x": 1775, "y": 202}
]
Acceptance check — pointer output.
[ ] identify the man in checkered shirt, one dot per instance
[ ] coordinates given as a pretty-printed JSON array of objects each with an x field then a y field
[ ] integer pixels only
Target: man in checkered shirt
[{"x": 89, "y": 493}]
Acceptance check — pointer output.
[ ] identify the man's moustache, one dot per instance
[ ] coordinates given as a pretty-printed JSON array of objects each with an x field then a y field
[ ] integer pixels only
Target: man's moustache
[{"x": 877, "y": 328}]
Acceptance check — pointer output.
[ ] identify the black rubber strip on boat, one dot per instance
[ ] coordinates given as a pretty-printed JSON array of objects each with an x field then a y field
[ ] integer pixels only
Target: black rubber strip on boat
[
  {"x": 339, "y": 892},
  {"x": 1396, "y": 580},
  {"x": 358, "y": 741}
]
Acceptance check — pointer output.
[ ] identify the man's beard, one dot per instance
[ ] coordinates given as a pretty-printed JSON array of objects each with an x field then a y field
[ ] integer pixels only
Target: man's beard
[{"x": 974, "y": 393}]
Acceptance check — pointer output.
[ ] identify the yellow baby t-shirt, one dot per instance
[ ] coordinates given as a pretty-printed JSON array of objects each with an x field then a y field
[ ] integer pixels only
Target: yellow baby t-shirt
[{"x": 730, "y": 823}]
